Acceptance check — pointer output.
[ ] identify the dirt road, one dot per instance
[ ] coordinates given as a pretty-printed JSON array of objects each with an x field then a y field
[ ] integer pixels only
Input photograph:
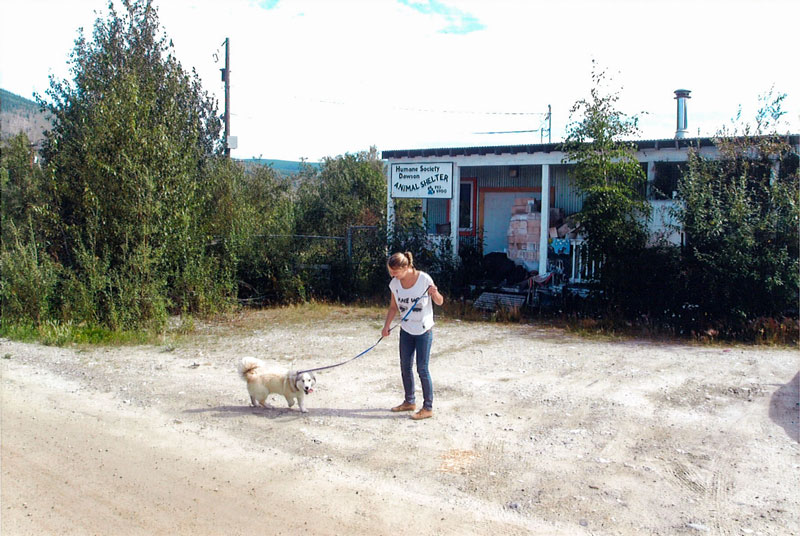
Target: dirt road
[{"x": 535, "y": 432}]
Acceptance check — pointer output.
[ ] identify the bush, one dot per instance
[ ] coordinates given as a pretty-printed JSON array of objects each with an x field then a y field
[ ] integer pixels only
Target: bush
[
  {"x": 28, "y": 278},
  {"x": 741, "y": 257}
]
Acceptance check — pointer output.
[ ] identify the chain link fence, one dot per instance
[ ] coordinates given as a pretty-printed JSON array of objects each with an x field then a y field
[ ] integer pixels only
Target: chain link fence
[{"x": 288, "y": 268}]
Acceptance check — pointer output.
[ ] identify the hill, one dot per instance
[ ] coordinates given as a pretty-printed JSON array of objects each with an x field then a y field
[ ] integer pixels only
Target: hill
[
  {"x": 284, "y": 167},
  {"x": 18, "y": 114}
]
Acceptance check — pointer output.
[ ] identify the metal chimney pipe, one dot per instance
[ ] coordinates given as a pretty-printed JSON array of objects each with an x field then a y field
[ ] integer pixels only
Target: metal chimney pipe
[{"x": 683, "y": 125}]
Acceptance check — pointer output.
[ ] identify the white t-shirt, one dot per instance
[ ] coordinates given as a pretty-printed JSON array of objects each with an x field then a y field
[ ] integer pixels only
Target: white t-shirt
[{"x": 421, "y": 318}]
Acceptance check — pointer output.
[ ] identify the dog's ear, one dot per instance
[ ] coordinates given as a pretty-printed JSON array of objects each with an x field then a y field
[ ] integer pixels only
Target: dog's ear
[{"x": 313, "y": 377}]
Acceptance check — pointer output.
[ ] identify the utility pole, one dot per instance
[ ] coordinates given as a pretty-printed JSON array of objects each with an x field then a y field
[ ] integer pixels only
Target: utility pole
[
  {"x": 226, "y": 77},
  {"x": 549, "y": 127}
]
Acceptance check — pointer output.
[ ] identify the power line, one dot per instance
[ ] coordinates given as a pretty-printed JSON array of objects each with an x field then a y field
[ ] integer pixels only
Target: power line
[
  {"x": 546, "y": 116},
  {"x": 423, "y": 110},
  {"x": 465, "y": 112},
  {"x": 510, "y": 131},
  {"x": 542, "y": 129}
]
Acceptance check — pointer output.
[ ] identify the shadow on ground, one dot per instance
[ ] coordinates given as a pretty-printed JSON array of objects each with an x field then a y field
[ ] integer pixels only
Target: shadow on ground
[
  {"x": 784, "y": 407},
  {"x": 284, "y": 412}
]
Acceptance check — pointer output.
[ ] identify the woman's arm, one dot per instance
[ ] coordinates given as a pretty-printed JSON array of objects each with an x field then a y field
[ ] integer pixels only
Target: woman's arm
[{"x": 390, "y": 314}]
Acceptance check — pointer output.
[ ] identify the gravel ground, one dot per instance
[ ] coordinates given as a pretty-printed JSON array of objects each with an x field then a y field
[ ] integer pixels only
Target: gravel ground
[{"x": 535, "y": 431}]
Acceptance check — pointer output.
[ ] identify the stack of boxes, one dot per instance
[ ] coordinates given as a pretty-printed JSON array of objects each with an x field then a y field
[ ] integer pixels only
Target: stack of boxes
[{"x": 524, "y": 230}]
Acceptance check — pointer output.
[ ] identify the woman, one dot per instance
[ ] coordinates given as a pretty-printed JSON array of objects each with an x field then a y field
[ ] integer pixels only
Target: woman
[{"x": 412, "y": 288}]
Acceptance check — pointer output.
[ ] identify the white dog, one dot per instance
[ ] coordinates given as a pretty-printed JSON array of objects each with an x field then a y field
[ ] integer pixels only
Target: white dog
[{"x": 261, "y": 382}]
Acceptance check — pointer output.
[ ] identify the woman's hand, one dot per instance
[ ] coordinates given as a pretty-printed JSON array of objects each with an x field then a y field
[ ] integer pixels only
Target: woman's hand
[{"x": 433, "y": 292}]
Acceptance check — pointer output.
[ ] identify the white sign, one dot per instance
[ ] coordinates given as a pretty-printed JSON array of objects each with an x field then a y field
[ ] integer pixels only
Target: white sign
[{"x": 432, "y": 180}]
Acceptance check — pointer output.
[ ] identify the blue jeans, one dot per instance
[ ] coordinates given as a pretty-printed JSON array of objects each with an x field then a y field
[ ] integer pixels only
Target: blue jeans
[{"x": 421, "y": 345}]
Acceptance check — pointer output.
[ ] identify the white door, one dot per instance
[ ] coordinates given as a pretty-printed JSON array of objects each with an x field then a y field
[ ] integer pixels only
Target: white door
[{"x": 496, "y": 217}]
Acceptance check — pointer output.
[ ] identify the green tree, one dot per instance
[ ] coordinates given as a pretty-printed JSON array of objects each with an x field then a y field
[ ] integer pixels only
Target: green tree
[
  {"x": 133, "y": 136},
  {"x": 27, "y": 274},
  {"x": 740, "y": 212},
  {"x": 252, "y": 220},
  {"x": 20, "y": 180},
  {"x": 615, "y": 211},
  {"x": 348, "y": 190}
]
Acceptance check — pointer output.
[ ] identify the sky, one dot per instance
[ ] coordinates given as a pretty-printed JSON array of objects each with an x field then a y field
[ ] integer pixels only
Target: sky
[{"x": 320, "y": 78}]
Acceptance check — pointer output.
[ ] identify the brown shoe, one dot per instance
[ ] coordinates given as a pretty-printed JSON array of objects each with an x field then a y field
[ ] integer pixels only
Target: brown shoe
[
  {"x": 422, "y": 414},
  {"x": 405, "y": 406}
]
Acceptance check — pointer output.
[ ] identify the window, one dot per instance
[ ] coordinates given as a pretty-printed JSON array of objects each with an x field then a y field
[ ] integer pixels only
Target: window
[
  {"x": 466, "y": 208},
  {"x": 665, "y": 182}
]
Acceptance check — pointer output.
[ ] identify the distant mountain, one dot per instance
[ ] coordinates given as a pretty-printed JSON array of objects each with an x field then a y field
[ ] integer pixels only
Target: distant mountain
[
  {"x": 284, "y": 167},
  {"x": 18, "y": 114}
]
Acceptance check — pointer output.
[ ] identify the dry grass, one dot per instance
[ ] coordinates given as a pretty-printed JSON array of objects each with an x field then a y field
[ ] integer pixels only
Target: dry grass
[
  {"x": 782, "y": 332},
  {"x": 247, "y": 319},
  {"x": 457, "y": 461}
]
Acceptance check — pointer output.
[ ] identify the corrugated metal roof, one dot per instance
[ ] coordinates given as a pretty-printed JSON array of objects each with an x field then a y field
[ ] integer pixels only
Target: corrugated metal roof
[
  {"x": 466, "y": 151},
  {"x": 666, "y": 143}
]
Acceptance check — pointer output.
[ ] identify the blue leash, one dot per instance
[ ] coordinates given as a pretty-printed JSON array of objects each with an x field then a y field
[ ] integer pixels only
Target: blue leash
[{"x": 371, "y": 347}]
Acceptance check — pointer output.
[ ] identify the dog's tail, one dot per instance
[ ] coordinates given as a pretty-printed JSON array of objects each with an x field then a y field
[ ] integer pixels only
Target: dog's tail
[{"x": 248, "y": 366}]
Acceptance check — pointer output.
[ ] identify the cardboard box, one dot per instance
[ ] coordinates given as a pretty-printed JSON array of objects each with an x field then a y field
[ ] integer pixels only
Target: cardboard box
[{"x": 553, "y": 232}]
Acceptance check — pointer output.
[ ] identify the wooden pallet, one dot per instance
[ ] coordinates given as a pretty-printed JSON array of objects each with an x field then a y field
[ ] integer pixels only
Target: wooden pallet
[{"x": 491, "y": 301}]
